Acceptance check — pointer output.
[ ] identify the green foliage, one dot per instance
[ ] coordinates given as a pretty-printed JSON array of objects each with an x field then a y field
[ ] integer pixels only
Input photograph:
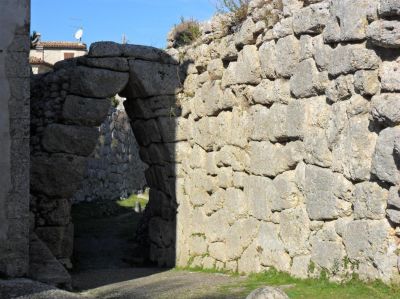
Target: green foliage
[
  {"x": 187, "y": 32},
  {"x": 131, "y": 201},
  {"x": 318, "y": 288},
  {"x": 239, "y": 9},
  {"x": 114, "y": 102}
]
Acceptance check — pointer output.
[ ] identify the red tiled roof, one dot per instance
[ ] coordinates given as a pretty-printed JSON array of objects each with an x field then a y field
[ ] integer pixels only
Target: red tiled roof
[
  {"x": 35, "y": 60},
  {"x": 62, "y": 45}
]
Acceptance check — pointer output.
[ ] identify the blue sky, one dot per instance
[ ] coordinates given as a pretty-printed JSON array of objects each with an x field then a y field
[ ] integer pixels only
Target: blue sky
[{"x": 144, "y": 22}]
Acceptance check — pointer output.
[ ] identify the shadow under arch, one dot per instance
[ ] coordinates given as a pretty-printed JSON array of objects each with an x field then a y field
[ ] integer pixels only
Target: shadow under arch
[{"x": 67, "y": 106}]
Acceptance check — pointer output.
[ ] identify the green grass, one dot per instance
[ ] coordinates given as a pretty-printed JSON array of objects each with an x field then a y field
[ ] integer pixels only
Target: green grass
[
  {"x": 131, "y": 201},
  {"x": 308, "y": 288}
]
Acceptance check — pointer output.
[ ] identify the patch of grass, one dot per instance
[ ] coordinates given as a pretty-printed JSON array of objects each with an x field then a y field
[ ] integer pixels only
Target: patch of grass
[
  {"x": 317, "y": 288},
  {"x": 185, "y": 33},
  {"x": 131, "y": 201}
]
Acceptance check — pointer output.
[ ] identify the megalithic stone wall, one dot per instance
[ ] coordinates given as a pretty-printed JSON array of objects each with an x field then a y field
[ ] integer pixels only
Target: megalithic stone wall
[
  {"x": 274, "y": 143},
  {"x": 67, "y": 107},
  {"x": 14, "y": 137},
  {"x": 292, "y": 119}
]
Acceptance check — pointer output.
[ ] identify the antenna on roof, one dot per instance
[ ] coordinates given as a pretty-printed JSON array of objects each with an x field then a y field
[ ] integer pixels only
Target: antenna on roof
[{"x": 79, "y": 34}]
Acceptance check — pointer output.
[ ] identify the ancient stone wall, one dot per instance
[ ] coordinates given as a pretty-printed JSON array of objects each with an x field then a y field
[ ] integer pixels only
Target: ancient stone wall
[
  {"x": 14, "y": 140},
  {"x": 114, "y": 169},
  {"x": 292, "y": 153},
  {"x": 67, "y": 107}
]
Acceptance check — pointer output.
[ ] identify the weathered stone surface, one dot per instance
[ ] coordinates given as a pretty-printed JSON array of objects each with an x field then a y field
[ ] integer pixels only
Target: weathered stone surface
[
  {"x": 118, "y": 64},
  {"x": 281, "y": 158},
  {"x": 354, "y": 146},
  {"x": 306, "y": 80},
  {"x": 351, "y": 58},
  {"x": 390, "y": 76},
  {"x": 386, "y": 109},
  {"x": 146, "y": 132},
  {"x": 384, "y": 33},
  {"x": 340, "y": 89},
  {"x": 147, "y": 53},
  {"x": 327, "y": 194},
  {"x": 393, "y": 215},
  {"x": 311, "y": 19},
  {"x": 260, "y": 192},
  {"x": 59, "y": 239},
  {"x": 215, "y": 68},
  {"x": 268, "y": 59},
  {"x": 85, "y": 111},
  {"x": 273, "y": 252},
  {"x": 348, "y": 20},
  {"x": 246, "y": 34},
  {"x": 97, "y": 83},
  {"x": 70, "y": 139},
  {"x": 394, "y": 197},
  {"x": 367, "y": 82},
  {"x": 58, "y": 175},
  {"x": 269, "y": 92},
  {"x": 44, "y": 267},
  {"x": 384, "y": 164},
  {"x": 295, "y": 230},
  {"x": 246, "y": 70},
  {"x": 287, "y": 56},
  {"x": 152, "y": 79},
  {"x": 369, "y": 201},
  {"x": 389, "y": 8},
  {"x": 105, "y": 49},
  {"x": 267, "y": 293},
  {"x": 287, "y": 191}
]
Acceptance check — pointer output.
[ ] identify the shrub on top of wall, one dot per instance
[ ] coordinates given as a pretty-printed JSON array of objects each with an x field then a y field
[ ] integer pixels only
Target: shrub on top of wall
[
  {"x": 186, "y": 32},
  {"x": 238, "y": 8}
]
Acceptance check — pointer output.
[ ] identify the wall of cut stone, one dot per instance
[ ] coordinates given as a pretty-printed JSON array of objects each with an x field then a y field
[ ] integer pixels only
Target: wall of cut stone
[
  {"x": 114, "y": 170},
  {"x": 292, "y": 152},
  {"x": 14, "y": 132},
  {"x": 68, "y": 106}
]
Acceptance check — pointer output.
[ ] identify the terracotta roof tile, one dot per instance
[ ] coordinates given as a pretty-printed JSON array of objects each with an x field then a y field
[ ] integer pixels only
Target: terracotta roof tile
[{"x": 62, "y": 45}]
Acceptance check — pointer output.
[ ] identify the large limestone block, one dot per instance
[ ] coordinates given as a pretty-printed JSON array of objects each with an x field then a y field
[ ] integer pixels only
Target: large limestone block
[
  {"x": 385, "y": 33},
  {"x": 173, "y": 129},
  {"x": 58, "y": 175},
  {"x": 210, "y": 99},
  {"x": 267, "y": 293},
  {"x": 295, "y": 230},
  {"x": 70, "y": 139},
  {"x": 273, "y": 253},
  {"x": 307, "y": 81},
  {"x": 385, "y": 166},
  {"x": 364, "y": 238},
  {"x": 118, "y": 64},
  {"x": 97, "y": 83},
  {"x": 269, "y": 92},
  {"x": 389, "y": 8},
  {"x": 353, "y": 149},
  {"x": 59, "y": 239},
  {"x": 287, "y": 56},
  {"x": 246, "y": 34},
  {"x": 260, "y": 193},
  {"x": 317, "y": 148},
  {"x": 369, "y": 201},
  {"x": 367, "y": 82},
  {"x": 146, "y": 132},
  {"x": 340, "y": 89},
  {"x": 327, "y": 250},
  {"x": 268, "y": 59},
  {"x": 240, "y": 235},
  {"x": 351, "y": 58},
  {"x": 311, "y": 19},
  {"x": 105, "y": 49},
  {"x": 85, "y": 111},
  {"x": 386, "y": 109},
  {"x": 287, "y": 191},
  {"x": 232, "y": 156},
  {"x": 349, "y": 20},
  {"x": 148, "y": 79},
  {"x": 327, "y": 194},
  {"x": 394, "y": 197},
  {"x": 147, "y": 53},
  {"x": 390, "y": 76},
  {"x": 246, "y": 70},
  {"x": 272, "y": 159}
]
